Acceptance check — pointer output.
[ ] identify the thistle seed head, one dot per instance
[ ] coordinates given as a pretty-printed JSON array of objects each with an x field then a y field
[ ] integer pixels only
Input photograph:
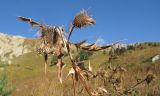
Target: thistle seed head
[
  {"x": 149, "y": 78},
  {"x": 83, "y": 20}
]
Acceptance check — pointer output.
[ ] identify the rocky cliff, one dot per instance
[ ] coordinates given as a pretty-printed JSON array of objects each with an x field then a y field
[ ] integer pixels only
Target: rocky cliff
[{"x": 10, "y": 47}]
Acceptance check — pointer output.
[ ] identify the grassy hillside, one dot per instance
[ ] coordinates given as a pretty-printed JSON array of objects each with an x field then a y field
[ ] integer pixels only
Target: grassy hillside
[{"x": 28, "y": 71}]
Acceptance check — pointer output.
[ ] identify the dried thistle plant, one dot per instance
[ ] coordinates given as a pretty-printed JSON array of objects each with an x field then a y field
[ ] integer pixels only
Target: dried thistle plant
[
  {"x": 148, "y": 79},
  {"x": 53, "y": 41}
]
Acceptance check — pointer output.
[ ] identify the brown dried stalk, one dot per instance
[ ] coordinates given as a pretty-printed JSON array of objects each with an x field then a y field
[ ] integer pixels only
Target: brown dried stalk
[
  {"x": 81, "y": 20},
  {"x": 74, "y": 85},
  {"x": 78, "y": 73},
  {"x": 147, "y": 79}
]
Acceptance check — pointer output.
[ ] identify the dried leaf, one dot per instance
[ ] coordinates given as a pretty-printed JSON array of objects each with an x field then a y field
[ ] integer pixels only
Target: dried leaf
[
  {"x": 29, "y": 20},
  {"x": 79, "y": 43},
  {"x": 93, "y": 47}
]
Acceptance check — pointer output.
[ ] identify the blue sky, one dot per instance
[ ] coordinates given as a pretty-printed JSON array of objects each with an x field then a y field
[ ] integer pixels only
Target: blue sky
[{"x": 134, "y": 20}]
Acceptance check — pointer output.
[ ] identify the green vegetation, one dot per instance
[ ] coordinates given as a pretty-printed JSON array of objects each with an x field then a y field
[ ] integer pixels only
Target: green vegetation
[
  {"x": 54, "y": 60},
  {"x": 84, "y": 55},
  {"x": 4, "y": 89}
]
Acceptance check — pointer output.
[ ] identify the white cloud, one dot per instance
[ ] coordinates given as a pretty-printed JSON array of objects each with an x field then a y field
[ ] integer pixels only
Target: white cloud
[{"x": 100, "y": 41}]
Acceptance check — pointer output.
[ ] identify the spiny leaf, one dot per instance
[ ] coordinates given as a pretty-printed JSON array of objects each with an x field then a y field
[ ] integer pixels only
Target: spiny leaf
[{"x": 29, "y": 20}]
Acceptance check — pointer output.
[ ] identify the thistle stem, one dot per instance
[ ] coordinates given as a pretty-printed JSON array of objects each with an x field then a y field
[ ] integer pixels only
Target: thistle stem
[
  {"x": 74, "y": 85},
  {"x": 88, "y": 89}
]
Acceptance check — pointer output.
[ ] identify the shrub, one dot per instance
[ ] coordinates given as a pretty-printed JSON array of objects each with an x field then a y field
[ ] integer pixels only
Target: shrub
[
  {"x": 84, "y": 55},
  {"x": 54, "y": 60},
  {"x": 4, "y": 90},
  {"x": 120, "y": 51},
  {"x": 130, "y": 47}
]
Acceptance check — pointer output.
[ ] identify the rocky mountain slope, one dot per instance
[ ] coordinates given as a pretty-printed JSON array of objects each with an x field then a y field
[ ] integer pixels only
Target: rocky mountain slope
[
  {"x": 11, "y": 46},
  {"x": 14, "y": 46}
]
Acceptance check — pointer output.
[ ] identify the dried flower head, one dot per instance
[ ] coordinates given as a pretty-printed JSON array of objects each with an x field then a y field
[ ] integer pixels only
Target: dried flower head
[
  {"x": 83, "y": 20},
  {"x": 52, "y": 39},
  {"x": 149, "y": 78}
]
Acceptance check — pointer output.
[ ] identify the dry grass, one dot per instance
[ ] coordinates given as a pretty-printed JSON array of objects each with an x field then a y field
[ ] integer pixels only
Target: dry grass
[{"x": 33, "y": 82}]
